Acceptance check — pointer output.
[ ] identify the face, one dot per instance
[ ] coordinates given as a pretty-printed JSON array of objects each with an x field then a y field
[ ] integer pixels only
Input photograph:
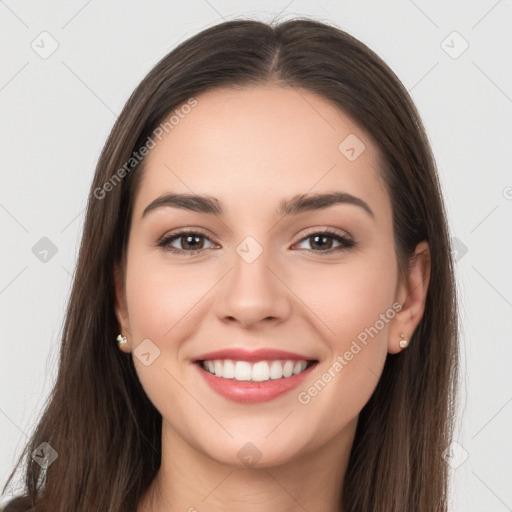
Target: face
[{"x": 254, "y": 317}]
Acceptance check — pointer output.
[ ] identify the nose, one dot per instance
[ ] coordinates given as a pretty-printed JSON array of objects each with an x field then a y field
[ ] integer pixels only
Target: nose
[{"x": 253, "y": 293}]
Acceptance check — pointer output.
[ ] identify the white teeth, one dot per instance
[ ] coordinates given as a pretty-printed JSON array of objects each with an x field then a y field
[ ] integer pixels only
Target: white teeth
[
  {"x": 242, "y": 370},
  {"x": 229, "y": 370},
  {"x": 257, "y": 372},
  {"x": 260, "y": 371},
  {"x": 276, "y": 370},
  {"x": 299, "y": 367},
  {"x": 288, "y": 369}
]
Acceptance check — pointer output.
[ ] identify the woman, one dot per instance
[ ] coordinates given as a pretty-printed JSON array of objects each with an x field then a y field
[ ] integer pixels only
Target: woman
[{"x": 266, "y": 239}]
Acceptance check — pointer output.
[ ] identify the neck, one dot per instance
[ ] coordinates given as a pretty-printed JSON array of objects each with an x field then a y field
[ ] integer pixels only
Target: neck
[{"x": 189, "y": 480}]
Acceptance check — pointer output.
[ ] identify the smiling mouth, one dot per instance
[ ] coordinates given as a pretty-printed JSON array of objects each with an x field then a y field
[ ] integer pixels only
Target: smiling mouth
[{"x": 258, "y": 371}]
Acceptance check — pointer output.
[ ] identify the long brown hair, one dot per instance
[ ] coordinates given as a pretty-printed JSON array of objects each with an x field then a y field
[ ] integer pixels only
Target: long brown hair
[{"x": 98, "y": 418}]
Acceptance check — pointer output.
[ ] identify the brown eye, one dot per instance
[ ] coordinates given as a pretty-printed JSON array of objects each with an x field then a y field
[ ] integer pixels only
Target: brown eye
[
  {"x": 321, "y": 242},
  {"x": 324, "y": 242},
  {"x": 185, "y": 242}
]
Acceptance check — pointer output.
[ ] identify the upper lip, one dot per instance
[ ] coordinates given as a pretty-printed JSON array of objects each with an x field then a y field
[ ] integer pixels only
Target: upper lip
[{"x": 262, "y": 354}]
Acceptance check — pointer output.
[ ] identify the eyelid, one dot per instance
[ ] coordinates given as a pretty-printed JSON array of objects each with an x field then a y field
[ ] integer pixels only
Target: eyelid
[
  {"x": 322, "y": 230},
  {"x": 180, "y": 231}
]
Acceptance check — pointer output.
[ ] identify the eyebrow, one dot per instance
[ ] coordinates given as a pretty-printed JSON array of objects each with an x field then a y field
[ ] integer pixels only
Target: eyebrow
[{"x": 295, "y": 205}]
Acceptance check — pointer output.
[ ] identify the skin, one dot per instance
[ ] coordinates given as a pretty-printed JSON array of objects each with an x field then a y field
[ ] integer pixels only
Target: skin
[{"x": 251, "y": 148}]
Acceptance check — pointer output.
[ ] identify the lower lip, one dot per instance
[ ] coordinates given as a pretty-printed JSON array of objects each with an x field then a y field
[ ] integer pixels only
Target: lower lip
[{"x": 252, "y": 392}]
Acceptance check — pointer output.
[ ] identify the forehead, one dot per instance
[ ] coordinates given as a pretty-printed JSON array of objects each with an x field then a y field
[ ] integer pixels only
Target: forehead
[{"x": 267, "y": 142}]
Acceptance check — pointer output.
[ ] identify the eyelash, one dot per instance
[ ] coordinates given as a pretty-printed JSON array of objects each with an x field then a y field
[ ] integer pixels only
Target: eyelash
[{"x": 346, "y": 243}]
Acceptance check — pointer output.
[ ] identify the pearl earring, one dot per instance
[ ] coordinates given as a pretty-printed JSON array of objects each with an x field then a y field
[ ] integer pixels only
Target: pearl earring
[
  {"x": 121, "y": 340},
  {"x": 403, "y": 341}
]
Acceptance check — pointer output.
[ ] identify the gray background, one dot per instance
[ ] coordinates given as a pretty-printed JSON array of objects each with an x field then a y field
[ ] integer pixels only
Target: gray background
[{"x": 58, "y": 109}]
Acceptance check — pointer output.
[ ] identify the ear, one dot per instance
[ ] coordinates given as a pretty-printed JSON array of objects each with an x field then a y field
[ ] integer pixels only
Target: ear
[
  {"x": 411, "y": 294},
  {"x": 121, "y": 306}
]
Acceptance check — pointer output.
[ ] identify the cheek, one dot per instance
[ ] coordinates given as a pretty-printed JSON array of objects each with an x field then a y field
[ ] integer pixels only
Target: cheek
[
  {"x": 354, "y": 304},
  {"x": 162, "y": 298},
  {"x": 349, "y": 297},
  {"x": 164, "y": 304}
]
